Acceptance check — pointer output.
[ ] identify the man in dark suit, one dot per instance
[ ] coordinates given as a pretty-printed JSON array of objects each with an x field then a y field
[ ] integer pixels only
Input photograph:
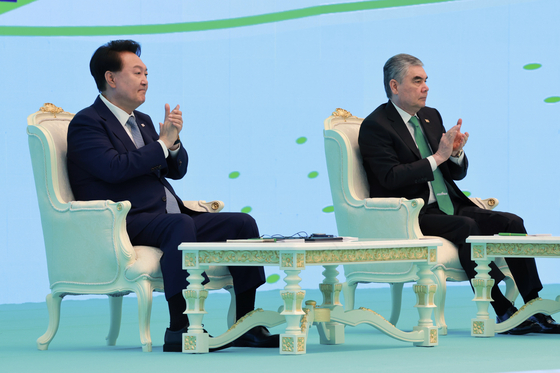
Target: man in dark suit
[
  {"x": 407, "y": 153},
  {"x": 114, "y": 152}
]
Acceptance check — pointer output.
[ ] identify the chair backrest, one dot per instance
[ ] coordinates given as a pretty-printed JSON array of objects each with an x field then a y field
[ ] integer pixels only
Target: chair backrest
[
  {"x": 47, "y": 144},
  {"x": 356, "y": 214},
  {"x": 69, "y": 245},
  {"x": 347, "y": 178},
  {"x": 344, "y": 161}
]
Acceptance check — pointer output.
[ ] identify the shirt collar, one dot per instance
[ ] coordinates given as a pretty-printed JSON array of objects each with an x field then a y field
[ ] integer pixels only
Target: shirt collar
[
  {"x": 404, "y": 115},
  {"x": 122, "y": 116}
]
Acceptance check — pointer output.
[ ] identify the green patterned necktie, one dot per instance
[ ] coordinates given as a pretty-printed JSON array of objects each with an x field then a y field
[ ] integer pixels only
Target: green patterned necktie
[{"x": 438, "y": 184}]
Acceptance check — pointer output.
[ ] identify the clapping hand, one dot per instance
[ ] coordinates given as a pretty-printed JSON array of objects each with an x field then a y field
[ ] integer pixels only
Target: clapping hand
[
  {"x": 171, "y": 126},
  {"x": 460, "y": 139},
  {"x": 451, "y": 143}
]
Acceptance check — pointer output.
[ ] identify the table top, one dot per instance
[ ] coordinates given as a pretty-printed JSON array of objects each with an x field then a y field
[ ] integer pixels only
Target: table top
[
  {"x": 529, "y": 239},
  {"x": 300, "y": 245},
  {"x": 301, "y": 253},
  {"x": 531, "y": 246}
]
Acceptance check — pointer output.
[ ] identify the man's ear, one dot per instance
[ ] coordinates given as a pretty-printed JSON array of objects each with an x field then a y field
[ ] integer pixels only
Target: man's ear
[
  {"x": 110, "y": 79},
  {"x": 394, "y": 86}
]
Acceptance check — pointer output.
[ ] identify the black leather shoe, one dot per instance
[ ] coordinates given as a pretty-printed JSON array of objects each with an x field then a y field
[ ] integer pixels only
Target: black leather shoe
[
  {"x": 259, "y": 336},
  {"x": 172, "y": 341},
  {"x": 546, "y": 323},
  {"x": 527, "y": 326}
]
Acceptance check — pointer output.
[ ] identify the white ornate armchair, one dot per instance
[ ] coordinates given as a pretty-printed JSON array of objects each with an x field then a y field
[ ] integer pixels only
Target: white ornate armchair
[
  {"x": 88, "y": 249},
  {"x": 384, "y": 218}
]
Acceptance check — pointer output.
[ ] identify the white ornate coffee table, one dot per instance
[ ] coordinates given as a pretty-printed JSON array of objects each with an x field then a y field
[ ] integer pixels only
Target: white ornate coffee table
[
  {"x": 329, "y": 317},
  {"x": 483, "y": 250}
]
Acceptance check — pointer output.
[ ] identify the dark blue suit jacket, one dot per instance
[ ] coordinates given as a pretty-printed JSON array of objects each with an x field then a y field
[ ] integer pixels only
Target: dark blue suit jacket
[{"x": 103, "y": 163}]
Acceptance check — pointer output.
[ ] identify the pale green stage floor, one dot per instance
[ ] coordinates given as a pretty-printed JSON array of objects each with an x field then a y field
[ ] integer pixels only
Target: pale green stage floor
[{"x": 80, "y": 346}]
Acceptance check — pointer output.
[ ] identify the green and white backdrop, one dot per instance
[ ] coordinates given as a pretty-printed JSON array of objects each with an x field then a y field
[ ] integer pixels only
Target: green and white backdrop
[{"x": 256, "y": 79}]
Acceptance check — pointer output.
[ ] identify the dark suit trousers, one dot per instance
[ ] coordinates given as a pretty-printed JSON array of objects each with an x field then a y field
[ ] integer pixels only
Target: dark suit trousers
[
  {"x": 470, "y": 220},
  {"x": 167, "y": 231}
]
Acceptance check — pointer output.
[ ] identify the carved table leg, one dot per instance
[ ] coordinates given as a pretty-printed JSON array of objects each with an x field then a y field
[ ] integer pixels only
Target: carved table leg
[
  {"x": 294, "y": 340},
  {"x": 483, "y": 325},
  {"x": 331, "y": 333},
  {"x": 195, "y": 340},
  {"x": 425, "y": 290}
]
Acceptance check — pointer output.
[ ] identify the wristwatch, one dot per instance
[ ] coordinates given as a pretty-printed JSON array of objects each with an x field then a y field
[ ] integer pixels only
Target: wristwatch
[
  {"x": 458, "y": 154},
  {"x": 179, "y": 140}
]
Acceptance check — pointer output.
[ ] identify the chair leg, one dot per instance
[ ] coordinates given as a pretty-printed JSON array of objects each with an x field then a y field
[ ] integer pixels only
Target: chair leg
[
  {"x": 53, "y": 306},
  {"x": 349, "y": 292},
  {"x": 145, "y": 296},
  {"x": 232, "y": 314},
  {"x": 441, "y": 291},
  {"x": 115, "y": 307},
  {"x": 511, "y": 290},
  {"x": 396, "y": 295}
]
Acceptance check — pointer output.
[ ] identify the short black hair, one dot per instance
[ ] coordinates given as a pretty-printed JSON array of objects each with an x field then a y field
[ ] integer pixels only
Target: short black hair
[{"x": 107, "y": 58}]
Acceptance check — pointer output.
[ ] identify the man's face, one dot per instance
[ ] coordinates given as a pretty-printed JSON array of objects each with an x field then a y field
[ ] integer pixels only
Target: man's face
[
  {"x": 129, "y": 85},
  {"x": 410, "y": 95}
]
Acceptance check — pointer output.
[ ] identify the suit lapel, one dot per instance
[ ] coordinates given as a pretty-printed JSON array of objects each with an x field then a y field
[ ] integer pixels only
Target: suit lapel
[
  {"x": 401, "y": 129},
  {"x": 113, "y": 124}
]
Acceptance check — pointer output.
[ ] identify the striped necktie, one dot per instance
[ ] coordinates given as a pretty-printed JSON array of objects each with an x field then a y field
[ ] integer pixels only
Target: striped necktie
[
  {"x": 171, "y": 204},
  {"x": 136, "y": 135}
]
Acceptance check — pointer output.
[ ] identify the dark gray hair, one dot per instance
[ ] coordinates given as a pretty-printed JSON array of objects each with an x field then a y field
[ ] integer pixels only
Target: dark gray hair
[{"x": 396, "y": 68}]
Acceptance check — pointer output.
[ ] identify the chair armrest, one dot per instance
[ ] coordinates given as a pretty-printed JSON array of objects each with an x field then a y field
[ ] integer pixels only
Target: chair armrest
[
  {"x": 99, "y": 205},
  {"x": 380, "y": 218},
  {"x": 88, "y": 234},
  {"x": 203, "y": 206},
  {"x": 486, "y": 204},
  {"x": 391, "y": 204},
  {"x": 101, "y": 212}
]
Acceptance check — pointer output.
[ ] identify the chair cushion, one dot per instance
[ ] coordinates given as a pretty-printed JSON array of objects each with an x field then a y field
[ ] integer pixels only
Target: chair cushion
[
  {"x": 448, "y": 256},
  {"x": 147, "y": 264},
  {"x": 219, "y": 278}
]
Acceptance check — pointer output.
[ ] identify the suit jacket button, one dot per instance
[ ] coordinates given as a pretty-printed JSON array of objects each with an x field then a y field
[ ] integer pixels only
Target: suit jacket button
[{"x": 164, "y": 199}]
